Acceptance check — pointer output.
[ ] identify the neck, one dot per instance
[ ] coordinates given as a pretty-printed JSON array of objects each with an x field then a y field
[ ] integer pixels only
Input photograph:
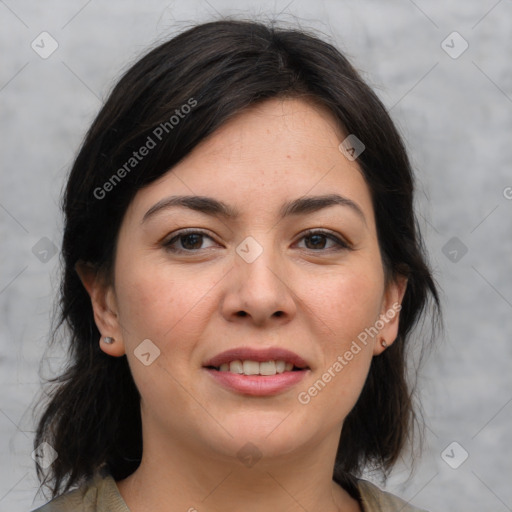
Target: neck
[{"x": 185, "y": 478}]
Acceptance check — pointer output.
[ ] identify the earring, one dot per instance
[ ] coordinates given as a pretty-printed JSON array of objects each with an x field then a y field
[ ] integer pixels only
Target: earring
[
  {"x": 108, "y": 340},
  {"x": 383, "y": 343}
]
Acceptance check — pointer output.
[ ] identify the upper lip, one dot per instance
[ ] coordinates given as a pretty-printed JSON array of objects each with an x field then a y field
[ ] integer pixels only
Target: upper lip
[{"x": 260, "y": 355}]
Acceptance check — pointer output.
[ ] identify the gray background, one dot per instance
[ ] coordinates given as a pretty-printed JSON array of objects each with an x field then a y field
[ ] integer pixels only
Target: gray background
[{"x": 456, "y": 117}]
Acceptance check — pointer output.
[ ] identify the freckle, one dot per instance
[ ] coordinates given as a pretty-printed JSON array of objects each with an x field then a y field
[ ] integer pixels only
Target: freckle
[{"x": 287, "y": 156}]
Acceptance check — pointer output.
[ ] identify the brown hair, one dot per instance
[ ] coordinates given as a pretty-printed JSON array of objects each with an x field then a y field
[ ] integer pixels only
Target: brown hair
[{"x": 92, "y": 417}]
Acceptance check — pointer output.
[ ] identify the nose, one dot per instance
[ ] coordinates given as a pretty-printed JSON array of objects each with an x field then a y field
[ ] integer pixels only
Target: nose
[{"x": 259, "y": 292}]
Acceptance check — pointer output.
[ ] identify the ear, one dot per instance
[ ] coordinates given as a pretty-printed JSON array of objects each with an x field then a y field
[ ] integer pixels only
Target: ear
[
  {"x": 390, "y": 314},
  {"x": 104, "y": 305}
]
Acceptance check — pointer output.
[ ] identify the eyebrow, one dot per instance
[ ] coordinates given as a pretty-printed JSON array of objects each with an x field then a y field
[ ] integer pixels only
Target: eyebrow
[{"x": 216, "y": 208}]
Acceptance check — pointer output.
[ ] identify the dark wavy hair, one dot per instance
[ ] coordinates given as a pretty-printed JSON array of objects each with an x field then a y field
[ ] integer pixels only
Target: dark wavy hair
[{"x": 91, "y": 416}]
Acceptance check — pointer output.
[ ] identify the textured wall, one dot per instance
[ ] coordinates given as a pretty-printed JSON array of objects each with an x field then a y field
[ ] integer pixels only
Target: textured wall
[{"x": 454, "y": 107}]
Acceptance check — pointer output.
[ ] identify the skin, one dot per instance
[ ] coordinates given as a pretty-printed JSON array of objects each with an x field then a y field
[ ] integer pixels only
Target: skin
[{"x": 188, "y": 305}]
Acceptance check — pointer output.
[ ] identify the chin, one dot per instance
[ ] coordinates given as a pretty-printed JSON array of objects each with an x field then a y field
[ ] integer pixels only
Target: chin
[{"x": 274, "y": 435}]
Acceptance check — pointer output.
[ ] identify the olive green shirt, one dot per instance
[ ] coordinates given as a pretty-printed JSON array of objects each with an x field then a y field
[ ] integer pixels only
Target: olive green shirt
[{"x": 101, "y": 494}]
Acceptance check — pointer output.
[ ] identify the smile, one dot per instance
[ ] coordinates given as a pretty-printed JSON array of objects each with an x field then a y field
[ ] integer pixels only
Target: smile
[
  {"x": 257, "y": 371},
  {"x": 249, "y": 367}
]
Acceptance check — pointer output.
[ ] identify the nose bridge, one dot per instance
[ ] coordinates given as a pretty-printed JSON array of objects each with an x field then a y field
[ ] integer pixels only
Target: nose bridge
[
  {"x": 259, "y": 287},
  {"x": 258, "y": 263}
]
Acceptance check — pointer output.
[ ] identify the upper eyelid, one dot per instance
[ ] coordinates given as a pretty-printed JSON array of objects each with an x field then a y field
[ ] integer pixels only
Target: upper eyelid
[{"x": 187, "y": 231}]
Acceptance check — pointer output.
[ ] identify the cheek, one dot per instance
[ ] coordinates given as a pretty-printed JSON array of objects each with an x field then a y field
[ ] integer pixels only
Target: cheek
[
  {"x": 164, "y": 305},
  {"x": 147, "y": 304},
  {"x": 347, "y": 301},
  {"x": 166, "y": 309},
  {"x": 152, "y": 297}
]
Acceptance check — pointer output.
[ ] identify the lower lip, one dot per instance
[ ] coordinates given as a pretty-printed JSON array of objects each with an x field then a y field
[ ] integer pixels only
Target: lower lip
[{"x": 258, "y": 385}]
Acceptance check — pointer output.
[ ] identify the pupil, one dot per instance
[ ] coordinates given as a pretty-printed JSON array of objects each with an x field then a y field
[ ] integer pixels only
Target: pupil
[
  {"x": 192, "y": 236},
  {"x": 317, "y": 239}
]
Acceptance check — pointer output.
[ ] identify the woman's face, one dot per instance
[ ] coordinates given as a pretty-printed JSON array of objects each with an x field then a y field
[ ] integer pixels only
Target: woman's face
[{"x": 256, "y": 284}]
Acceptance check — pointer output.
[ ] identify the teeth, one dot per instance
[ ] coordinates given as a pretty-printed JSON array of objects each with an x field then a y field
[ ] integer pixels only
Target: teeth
[
  {"x": 255, "y": 368},
  {"x": 251, "y": 368},
  {"x": 268, "y": 368},
  {"x": 236, "y": 367}
]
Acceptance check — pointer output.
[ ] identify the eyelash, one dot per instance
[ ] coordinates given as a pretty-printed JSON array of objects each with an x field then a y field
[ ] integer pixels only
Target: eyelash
[{"x": 342, "y": 245}]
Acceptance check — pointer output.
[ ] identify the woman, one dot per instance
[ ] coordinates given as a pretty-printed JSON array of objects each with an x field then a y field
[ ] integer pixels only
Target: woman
[{"x": 242, "y": 271}]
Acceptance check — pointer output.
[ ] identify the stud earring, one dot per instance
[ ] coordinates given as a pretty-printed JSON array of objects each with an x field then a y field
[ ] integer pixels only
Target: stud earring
[
  {"x": 108, "y": 340},
  {"x": 383, "y": 343}
]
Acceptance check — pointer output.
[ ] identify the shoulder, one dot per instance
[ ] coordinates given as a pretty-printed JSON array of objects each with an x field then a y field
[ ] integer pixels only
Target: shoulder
[
  {"x": 376, "y": 500},
  {"x": 98, "y": 494}
]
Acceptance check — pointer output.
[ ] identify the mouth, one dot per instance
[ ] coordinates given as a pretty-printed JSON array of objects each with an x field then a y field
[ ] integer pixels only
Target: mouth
[
  {"x": 257, "y": 371},
  {"x": 261, "y": 361}
]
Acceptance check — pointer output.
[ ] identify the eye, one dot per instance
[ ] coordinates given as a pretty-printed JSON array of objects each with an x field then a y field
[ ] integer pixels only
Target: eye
[
  {"x": 192, "y": 240},
  {"x": 186, "y": 241},
  {"x": 318, "y": 240}
]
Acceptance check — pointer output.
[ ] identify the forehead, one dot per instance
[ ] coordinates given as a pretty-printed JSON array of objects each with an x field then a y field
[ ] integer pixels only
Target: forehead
[
  {"x": 277, "y": 125},
  {"x": 263, "y": 156}
]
